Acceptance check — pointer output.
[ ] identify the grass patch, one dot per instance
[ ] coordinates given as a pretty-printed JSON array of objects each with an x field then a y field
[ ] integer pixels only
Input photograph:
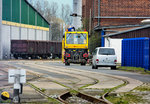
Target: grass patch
[
  {"x": 50, "y": 100},
  {"x": 73, "y": 92},
  {"x": 43, "y": 90},
  {"x": 143, "y": 88},
  {"x": 115, "y": 88},
  {"x": 87, "y": 85},
  {"x": 42, "y": 103},
  {"x": 7, "y": 101},
  {"x": 126, "y": 98},
  {"x": 53, "y": 101},
  {"x": 134, "y": 69}
]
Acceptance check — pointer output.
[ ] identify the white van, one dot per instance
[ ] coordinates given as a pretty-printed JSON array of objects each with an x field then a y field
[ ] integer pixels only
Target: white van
[{"x": 104, "y": 57}]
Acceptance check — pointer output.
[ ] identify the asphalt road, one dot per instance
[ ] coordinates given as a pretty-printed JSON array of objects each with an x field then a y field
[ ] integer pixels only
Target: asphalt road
[
  {"x": 140, "y": 77},
  {"x": 143, "y": 78}
]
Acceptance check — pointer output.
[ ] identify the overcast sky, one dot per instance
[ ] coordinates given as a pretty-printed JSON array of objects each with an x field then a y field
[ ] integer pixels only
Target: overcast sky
[{"x": 69, "y": 2}]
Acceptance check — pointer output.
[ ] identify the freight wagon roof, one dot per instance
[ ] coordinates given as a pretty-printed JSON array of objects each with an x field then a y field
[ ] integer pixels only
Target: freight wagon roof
[
  {"x": 36, "y": 11},
  {"x": 127, "y": 31}
]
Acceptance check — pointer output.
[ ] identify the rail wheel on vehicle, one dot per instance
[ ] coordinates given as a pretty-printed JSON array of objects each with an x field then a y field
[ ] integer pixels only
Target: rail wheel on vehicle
[
  {"x": 83, "y": 64},
  {"x": 113, "y": 68},
  {"x": 67, "y": 63}
]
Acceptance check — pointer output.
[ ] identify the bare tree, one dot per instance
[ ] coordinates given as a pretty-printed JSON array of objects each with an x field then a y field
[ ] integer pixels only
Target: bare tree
[
  {"x": 30, "y": 1},
  {"x": 65, "y": 13},
  {"x": 39, "y": 6},
  {"x": 51, "y": 12}
]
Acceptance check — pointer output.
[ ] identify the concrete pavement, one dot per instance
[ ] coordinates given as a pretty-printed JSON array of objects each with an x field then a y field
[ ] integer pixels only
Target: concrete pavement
[{"x": 74, "y": 77}]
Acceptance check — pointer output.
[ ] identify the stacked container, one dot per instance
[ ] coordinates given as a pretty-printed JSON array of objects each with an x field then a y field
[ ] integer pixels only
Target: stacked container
[{"x": 136, "y": 52}]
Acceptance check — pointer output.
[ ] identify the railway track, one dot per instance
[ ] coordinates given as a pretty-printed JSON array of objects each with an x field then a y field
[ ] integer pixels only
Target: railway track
[
  {"x": 80, "y": 97},
  {"x": 86, "y": 97},
  {"x": 63, "y": 98},
  {"x": 68, "y": 96}
]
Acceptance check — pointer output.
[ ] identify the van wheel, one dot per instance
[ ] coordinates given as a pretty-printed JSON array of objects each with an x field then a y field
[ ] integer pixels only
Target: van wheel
[
  {"x": 113, "y": 68},
  {"x": 94, "y": 67}
]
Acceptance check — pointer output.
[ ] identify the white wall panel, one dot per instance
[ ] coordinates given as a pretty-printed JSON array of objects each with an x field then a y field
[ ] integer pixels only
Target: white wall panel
[
  {"x": 24, "y": 34},
  {"x": 117, "y": 44},
  {"x": 6, "y": 41},
  {"x": 15, "y": 33},
  {"x": 39, "y": 35},
  {"x": 47, "y": 36},
  {"x": 31, "y": 34},
  {"x": 44, "y": 35}
]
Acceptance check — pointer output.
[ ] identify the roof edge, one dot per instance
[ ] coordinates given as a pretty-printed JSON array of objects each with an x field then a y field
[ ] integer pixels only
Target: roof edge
[
  {"x": 108, "y": 35},
  {"x": 37, "y": 11}
]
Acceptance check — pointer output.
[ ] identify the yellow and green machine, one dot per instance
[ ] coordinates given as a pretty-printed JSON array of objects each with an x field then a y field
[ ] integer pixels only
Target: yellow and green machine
[{"x": 75, "y": 47}]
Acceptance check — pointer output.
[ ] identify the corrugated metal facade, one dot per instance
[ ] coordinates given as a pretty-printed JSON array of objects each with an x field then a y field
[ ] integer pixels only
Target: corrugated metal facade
[
  {"x": 13, "y": 9},
  {"x": 135, "y": 52},
  {"x": 20, "y": 21},
  {"x": 132, "y": 33}
]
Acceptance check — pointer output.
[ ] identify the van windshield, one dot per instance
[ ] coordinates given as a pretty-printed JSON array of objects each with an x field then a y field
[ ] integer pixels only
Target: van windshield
[{"x": 106, "y": 51}]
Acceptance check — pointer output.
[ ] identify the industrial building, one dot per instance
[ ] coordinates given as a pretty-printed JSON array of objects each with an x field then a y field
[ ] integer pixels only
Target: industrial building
[
  {"x": 113, "y": 17},
  {"x": 20, "y": 21},
  {"x": 115, "y": 40}
]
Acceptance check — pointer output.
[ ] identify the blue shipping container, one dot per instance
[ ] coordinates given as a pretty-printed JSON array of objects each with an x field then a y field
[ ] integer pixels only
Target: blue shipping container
[{"x": 136, "y": 52}]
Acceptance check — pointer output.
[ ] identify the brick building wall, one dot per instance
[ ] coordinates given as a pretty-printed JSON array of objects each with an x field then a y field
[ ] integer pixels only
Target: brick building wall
[
  {"x": 139, "y": 8},
  {"x": 116, "y": 9},
  {"x": 119, "y": 21},
  {"x": 86, "y": 6}
]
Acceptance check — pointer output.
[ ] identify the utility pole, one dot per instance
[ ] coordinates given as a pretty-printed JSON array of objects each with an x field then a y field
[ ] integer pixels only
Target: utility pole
[
  {"x": 90, "y": 22},
  {"x": 1, "y": 43}
]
